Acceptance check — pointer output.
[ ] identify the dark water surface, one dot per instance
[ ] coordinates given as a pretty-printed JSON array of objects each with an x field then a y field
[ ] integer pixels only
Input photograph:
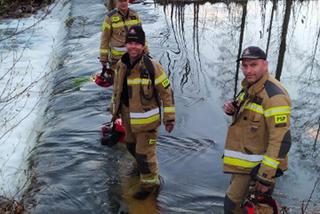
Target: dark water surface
[{"x": 75, "y": 174}]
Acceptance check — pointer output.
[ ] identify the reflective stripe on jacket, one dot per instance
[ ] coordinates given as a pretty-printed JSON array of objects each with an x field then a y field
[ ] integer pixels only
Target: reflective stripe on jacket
[
  {"x": 260, "y": 131},
  {"x": 114, "y": 30},
  {"x": 144, "y": 98}
]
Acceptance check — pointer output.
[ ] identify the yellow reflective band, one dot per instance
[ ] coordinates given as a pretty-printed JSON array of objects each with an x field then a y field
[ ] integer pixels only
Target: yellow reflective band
[
  {"x": 161, "y": 78},
  {"x": 127, "y": 23},
  {"x": 105, "y": 26},
  {"x": 165, "y": 83},
  {"x": 143, "y": 121},
  {"x": 115, "y": 19},
  {"x": 170, "y": 109},
  {"x": 117, "y": 53},
  {"x": 279, "y": 110},
  {"x": 254, "y": 107},
  {"x": 241, "y": 96},
  {"x": 152, "y": 141},
  {"x": 270, "y": 162},
  {"x": 280, "y": 119},
  {"x": 154, "y": 180},
  {"x": 104, "y": 51},
  {"x": 132, "y": 22},
  {"x": 138, "y": 81},
  {"x": 239, "y": 162}
]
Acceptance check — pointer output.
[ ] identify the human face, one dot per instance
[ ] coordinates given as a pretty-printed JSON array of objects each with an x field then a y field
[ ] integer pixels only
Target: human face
[
  {"x": 122, "y": 5},
  {"x": 254, "y": 69},
  {"x": 134, "y": 49}
]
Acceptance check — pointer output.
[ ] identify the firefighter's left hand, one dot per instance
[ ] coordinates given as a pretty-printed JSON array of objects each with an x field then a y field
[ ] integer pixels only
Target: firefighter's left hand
[
  {"x": 259, "y": 187},
  {"x": 169, "y": 126}
]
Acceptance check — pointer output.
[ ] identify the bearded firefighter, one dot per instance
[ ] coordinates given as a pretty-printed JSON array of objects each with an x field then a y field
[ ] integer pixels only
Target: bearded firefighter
[
  {"x": 141, "y": 91},
  {"x": 258, "y": 139}
]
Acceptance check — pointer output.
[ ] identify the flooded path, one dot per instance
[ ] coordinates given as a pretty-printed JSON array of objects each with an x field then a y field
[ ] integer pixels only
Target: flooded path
[{"x": 73, "y": 173}]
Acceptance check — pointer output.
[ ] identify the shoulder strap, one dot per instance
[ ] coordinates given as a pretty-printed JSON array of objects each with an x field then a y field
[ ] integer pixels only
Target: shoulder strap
[
  {"x": 150, "y": 68},
  {"x": 112, "y": 12}
]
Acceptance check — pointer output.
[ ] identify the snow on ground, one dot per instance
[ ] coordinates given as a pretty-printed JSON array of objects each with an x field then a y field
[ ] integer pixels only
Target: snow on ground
[{"x": 25, "y": 64}]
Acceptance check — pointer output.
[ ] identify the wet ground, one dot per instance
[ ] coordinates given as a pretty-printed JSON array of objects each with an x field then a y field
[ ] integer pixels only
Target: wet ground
[{"x": 73, "y": 173}]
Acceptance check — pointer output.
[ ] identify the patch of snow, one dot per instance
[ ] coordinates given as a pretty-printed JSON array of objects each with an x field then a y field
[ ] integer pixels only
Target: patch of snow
[{"x": 26, "y": 61}]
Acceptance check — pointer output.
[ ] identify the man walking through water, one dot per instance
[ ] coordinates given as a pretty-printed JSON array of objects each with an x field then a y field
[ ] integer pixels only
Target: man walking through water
[
  {"x": 258, "y": 139},
  {"x": 141, "y": 88}
]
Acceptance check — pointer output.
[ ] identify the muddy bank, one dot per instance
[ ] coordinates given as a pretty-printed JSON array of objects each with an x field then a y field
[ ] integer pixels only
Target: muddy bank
[{"x": 21, "y": 8}]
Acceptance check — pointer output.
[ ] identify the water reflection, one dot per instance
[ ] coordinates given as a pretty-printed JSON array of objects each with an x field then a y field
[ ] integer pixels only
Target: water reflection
[
  {"x": 197, "y": 44},
  {"x": 288, "y": 30}
]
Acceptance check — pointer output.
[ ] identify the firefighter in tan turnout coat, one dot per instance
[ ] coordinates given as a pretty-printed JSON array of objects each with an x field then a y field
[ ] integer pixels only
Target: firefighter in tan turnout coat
[
  {"x": 114, "y": 30},
  {"x": 258, "y": 139},
  {"x": 141, "y": 87}
]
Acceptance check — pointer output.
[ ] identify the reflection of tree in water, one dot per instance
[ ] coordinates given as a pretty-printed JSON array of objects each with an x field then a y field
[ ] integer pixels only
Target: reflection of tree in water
[
  {"x": 178, "y": 57},
  {"x": 283, "y": 44},
  {"x": 307, "y": 119},
  {"x": 277, "y": 36},
  {"x": 243, "y": 21}
]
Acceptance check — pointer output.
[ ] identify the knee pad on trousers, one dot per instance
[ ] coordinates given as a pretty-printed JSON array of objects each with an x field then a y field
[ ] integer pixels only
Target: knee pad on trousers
[
  {"x": 229, "y": 205},
  {"x": 131, "y": 147},
  {"x": 143, "y": 163}
]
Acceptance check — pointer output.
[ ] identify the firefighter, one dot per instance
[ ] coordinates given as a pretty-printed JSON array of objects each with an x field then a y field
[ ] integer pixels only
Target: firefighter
[
  {"x": 258, "y": 139},
  {"x": 141, "y": 87},
  {"x": 114, "y": 30}
]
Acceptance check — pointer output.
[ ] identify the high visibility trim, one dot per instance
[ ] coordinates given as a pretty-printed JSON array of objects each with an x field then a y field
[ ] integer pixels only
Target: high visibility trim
[
  {"x": 240, "y": 155},
  {"x": 279, "y": 110},
  {"x": 119, "y": 48},
  {"x": 169, "y": 109},
  {"x": 117, "y": 53},
  {"x": 241, "y": 159},
  {"x": 239, "y": 162},
  {"x": 254, "y": 107},
  {"x": 161, "y": 78},
  {"x": 126, "y": 23},
  {"x": 270, "y": 162},
  {"x": 115, "y": 19},
  {"x": 145, "y": 114},
  {"x": 241, "y": 96},
  {"x": 104, "y": 51},
  {"x": 152, "y": 141},
  {"x": 105, "y": 26},
  {"x": 144, "y": 121},
  {"x": 154, "y": 180},
  {"x": 138, "y": 81}
]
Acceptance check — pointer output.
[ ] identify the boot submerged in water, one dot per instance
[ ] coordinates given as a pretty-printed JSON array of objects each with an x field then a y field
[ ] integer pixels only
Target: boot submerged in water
[{"x": 143, "y": 193}]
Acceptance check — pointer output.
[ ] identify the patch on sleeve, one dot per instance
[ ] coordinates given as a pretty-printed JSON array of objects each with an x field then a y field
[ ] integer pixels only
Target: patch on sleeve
[
  {"x": 152, "y": 141},
  {"x": 166, "y": 83},
  {"x": 280, "y": 119},
  {"x": 115, "y": 19}
]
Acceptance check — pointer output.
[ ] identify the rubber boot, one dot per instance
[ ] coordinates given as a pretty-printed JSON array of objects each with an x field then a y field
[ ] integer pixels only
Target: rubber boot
[{"x": 144, "y": 193}]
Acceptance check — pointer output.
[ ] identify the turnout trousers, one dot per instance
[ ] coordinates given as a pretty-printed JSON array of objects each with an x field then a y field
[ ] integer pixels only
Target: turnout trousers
[
  {"x": 142, "y": 146},
  {"x": 237, "y": 193}
]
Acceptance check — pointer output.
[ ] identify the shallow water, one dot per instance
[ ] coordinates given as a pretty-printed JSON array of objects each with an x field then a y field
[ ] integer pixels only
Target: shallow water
[{"x": 75, "y": 174}]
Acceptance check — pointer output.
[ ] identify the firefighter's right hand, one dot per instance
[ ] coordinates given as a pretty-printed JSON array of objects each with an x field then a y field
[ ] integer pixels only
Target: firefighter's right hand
[
  {"x": 259, "y": 187},
  {"x": 229, "y": 108},
  {"x": 169, "y": 126},
  {"x": 104, "y": 63},
  {"x": 114, "y": 117}
]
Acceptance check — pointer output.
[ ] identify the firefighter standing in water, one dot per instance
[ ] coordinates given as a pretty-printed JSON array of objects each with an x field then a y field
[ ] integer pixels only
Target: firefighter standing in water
[
  {"x": 141, "y": 87},
  {"x": 114, "y": 30},
  {"x": 258, "y": 139}
]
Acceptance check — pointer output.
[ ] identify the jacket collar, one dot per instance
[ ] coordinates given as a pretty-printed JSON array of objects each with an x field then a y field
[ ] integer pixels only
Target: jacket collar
[
  {"x": 257, "y": 86},
  {"x": 124, "y": 15},
  {"x": 126, "y": 60}
]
